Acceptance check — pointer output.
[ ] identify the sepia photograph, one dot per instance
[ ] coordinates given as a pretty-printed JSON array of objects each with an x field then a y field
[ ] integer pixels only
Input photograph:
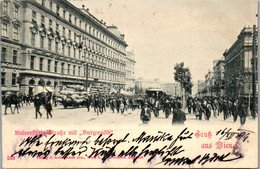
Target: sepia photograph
[{"x": 129, "y": 83}]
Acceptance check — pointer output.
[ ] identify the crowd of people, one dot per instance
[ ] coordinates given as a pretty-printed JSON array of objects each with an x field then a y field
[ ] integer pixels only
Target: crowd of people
[
  {"x": 206, "y": 107},
  {"x": 18, "y": 100},
  {"x": 228, "y": 107}
]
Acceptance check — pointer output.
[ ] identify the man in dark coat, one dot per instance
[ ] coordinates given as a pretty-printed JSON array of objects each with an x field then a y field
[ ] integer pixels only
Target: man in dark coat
[
  {"x": 48, "y": 106},
  {"x": 145, "y": 115},
  {"x": 113, "y": 104},
  {"x": 118, "y": 102},
  {"x": 87, "y": 102},
  {"x": 7, "y": 102},
  {"x": 178, "y": 115},
  {"x": 207, "y": 107},
  {"x": 189, "y": 104},
  {"x": 199, "y": 110},
  {"x": 37, "y": 105},
  {"x": 242, "y": 110},
  {"x": 96, "y": 104}
]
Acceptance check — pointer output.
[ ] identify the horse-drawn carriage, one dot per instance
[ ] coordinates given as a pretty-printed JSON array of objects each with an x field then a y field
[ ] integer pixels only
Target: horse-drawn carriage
[
  {"x": 157, "y": 102},
  {"x": 71, "y": 98}
]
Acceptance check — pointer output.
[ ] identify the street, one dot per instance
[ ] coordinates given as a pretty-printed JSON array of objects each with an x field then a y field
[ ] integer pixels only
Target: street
[{"x": 79, "y": 117}]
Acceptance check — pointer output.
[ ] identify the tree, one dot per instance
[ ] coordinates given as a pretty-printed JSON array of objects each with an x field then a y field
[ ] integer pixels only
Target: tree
[{"x": 183, "y": 76}]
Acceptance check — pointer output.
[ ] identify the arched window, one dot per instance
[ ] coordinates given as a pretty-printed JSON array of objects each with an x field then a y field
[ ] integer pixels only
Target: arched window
[
  {"x": 48, "y": 83},
  {"x": 55, "y": 84},
  {"x": 31, "y": 82},
  {"x": 41, "y": 82}
]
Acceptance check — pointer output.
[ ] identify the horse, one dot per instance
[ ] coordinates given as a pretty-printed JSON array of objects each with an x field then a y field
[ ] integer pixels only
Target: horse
[
  {"x": 15, "y": 100},
  {"x": 9, "y": 100}
]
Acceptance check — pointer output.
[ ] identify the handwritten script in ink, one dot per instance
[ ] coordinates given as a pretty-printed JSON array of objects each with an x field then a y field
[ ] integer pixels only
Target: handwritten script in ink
[{"x": 105, "y": 147}]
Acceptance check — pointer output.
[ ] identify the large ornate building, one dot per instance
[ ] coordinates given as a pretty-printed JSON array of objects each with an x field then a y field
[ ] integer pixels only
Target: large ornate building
[
  {"x": 239, "y": 64},
  {"x": 53, "y": 43}
]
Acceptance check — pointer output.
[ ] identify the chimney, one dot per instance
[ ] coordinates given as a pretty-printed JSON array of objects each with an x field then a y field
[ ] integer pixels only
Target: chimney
[{"x": 122, "y": 36}]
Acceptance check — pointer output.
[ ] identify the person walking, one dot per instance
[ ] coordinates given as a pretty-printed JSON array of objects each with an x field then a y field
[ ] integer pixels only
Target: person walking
[
  {"x": 145, "y": 115},
  {"x": 87, "y": 102},
  {"x": 199, "y": 110},
  {"x": 118, "y": 103},
  {"x": 48, "y": 106},
  {"x": 7, "y": 102},
  {"x": 178, "y": 115},
  {"x": 37, "y": 105},
  {"x": 242, "y": 111},
  {"x": 189, "y": 105}
]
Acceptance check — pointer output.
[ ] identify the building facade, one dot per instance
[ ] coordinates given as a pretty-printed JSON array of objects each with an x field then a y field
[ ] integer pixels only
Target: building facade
[
  {"x": 53, "y": 43},
  {"x": 173, "y": 89},
  {"x": 201, "y": 87},
  {"x": 209, "y": 83},
  {"x": 238, "y": 64},
  {"x": 130, "y": 70},
  {"x": 219, "y": 76},
  {"x": 147, "y": 83}
]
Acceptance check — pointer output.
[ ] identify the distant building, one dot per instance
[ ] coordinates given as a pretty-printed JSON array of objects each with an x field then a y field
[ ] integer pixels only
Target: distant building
[
  {"x": 219, "y": 75},
  {"x": 147, "y": 83},
  {"x": 170, "y": 88},
  {"x": 209, "y": 83},
  {"x": 201, "y": 87},
  {"x": 195, "y": 88},
  {"x": 238, "y": 65},
  {"x": 130, "y": 70}
]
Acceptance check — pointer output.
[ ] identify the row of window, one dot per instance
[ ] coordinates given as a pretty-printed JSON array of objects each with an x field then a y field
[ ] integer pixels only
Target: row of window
[
  {"x": 74, "y": 52},
  {"x": 5, "y": 31},
  {"x": 3, "y": 79},
  {"x": 79, "y": 23},
  {"x": 16, "y": 9},
  {"x": 4, "y": 55},
  {"x": 93, "y": 73},
  {"x": 248, "y": 59},
  {"x": 83, "y": 41},
  {"x": 90, "y": 44},
  {"x": 97, "y": 34}
]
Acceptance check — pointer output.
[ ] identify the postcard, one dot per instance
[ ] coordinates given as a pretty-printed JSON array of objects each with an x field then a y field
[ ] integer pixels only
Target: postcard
[{"x": 129, "y": 84}]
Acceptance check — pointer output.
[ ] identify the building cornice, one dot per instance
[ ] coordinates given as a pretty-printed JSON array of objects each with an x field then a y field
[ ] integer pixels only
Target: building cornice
[{"x": 79, "y": 12}]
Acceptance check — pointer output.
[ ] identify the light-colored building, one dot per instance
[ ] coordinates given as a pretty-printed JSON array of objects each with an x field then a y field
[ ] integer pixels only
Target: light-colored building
[
  {"x": 130, "y": 70},
  {"x": 53, "y": 43},
  {"x": 171, "y": 88},
  {"x": 219, "y": 75},
  {"x": 201, "y": 87},
  {"x": 147, "y": 83},
  {"x": 194, "y": 88},
  {"x": 209, "y": 83}
]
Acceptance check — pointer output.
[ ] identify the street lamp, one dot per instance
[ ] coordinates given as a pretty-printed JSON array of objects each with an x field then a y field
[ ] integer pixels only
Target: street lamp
[
  {"x": 86, "y": 77},
  {"x": 86, "y": 62}
]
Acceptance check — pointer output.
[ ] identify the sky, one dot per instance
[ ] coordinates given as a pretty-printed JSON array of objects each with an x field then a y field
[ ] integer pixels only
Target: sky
[{"x": 163, "y": 33}]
